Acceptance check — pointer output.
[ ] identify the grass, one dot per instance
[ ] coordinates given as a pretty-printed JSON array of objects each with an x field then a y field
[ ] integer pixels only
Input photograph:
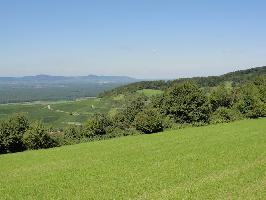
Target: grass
[
  {"x": 61, "y": 112},
  {"x": 225, "y": 161}
]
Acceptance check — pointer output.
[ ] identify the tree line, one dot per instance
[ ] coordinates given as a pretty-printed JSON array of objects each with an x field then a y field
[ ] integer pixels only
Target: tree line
[
  {"x": 236, "y": 78},
  {"x": 182, "y": 104}
]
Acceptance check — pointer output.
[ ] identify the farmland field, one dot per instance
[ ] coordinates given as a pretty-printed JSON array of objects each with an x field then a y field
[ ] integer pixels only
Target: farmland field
[
  {"x": 224, "y": 161},
  {"x": 60, "y": 113}
]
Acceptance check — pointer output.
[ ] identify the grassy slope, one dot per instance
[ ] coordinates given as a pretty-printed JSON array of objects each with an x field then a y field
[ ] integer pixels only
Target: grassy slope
[{"x": 225, "y": 161}]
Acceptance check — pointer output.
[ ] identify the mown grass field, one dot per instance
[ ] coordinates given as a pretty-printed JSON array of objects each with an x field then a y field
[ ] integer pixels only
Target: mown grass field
[
  {"x": 60, "y": 113},
  {"x": 225, "y": 161}
]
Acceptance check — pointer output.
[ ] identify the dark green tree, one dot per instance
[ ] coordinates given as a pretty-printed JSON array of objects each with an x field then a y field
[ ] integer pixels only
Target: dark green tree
[
  {"x": 221, "y": 96},
  {"x": 124, "y": 118},
  {"x": 187, "y": 103},
  {"x": 224, "y": 115},
  {"x": 134, "y": 106},
  {"x": 73, "y": 134},
  {"x": 260, "y": 82},
  {"x": 149, "y": 121},
  {"x": 158, "y": 103},
  {"x": 11, "y": 133},
  {"x": 97, "y": 125},
  {"x": 37, "y": 137},
  {"x": 248, "y": 101}
]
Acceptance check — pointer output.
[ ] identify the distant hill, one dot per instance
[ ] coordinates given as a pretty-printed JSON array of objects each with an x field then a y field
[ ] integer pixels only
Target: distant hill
[
  {"x": 89, "y": 78},
  {"x": 50, "y": 88},
  {"x": 209, "y": 81},
  {"x": 234, "y": 77}
]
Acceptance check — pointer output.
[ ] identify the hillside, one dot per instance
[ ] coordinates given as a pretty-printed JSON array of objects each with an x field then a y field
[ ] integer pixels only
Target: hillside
[
  {"x": 58, "y": 114},
  {"x": 210, "y": 81},
  {"x": 225, "y": 161},
  {"x": 52, "y": 88}
]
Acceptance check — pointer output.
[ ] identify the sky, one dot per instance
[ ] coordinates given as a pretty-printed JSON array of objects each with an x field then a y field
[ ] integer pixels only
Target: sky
[{"x": 138, "y": 38}]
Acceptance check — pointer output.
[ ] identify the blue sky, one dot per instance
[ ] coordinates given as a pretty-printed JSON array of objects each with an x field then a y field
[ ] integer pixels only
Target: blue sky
[{"x": 139, "y": 38}]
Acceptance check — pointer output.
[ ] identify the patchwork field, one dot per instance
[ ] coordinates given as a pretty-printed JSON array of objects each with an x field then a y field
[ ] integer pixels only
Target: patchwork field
[
  {"x": 224, "y": 161},
  {"x": 60, "y": 113}
]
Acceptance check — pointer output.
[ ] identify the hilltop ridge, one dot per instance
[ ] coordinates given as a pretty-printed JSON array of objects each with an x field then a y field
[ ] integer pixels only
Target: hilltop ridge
[{"x": 235, "y": 78}]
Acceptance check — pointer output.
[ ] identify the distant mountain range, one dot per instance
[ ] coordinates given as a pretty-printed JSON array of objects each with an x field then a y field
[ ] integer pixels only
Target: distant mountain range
[
  {"x": 52, "y": 88},
  {"x": 89, "y": 78}
]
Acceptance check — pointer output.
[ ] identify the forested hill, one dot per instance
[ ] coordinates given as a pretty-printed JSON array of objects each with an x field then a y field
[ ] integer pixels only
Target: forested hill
[
  {"x": 234, "y": 77},
  {"x": 210, "y": 81}
]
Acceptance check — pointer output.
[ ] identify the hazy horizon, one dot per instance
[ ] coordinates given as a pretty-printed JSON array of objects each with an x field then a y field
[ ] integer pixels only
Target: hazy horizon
[
  {"x": 140, "y": 39},
  {"x": 151, "y": 78}
]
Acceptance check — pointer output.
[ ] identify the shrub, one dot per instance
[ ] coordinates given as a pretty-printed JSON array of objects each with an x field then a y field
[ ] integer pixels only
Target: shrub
[
  {"x": 72, "y": 134},
  {"x": 37, "y": 137},
  {"x": 260, "y": 82},
  {"x": 119, "y": 120},
  {"x": 224, "y": 115},
  {"x": 168, "y": 122},
  {"x": 97, "y": 125},
  {"x": 128, "y": 132},
  {"x": 149, "y": 121},
  {"x": 158, "y": 102},
  {"x": 3, "y": 137},
  {"x": 124, "y": 117},
  {"x": 57, "y": 137},
  {"x": 249, "y": 101},
  {"x": 135, "y": 105},
  {"x": 186, "y": 103},
  {"x": 117, "y": 132},
  {"x": 221, "y": 97},
  {"x": 11, "y": 133}
]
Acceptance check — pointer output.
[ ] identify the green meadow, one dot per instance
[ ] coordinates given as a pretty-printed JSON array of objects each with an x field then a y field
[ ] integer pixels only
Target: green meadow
[{"x": 224, "y": 161}]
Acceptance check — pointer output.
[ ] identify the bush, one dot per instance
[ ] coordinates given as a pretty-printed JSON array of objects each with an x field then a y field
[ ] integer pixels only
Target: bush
[
  {"x": 72, "y": 134},
  {"x": 260, "y": 82},
  {"x": 135, "y": 105},
  {"x": 11, "y": 133},
  {"x": 37, "y": 137},
  {"x": 224, "y": 115},
  {"x": 168, "y": 122},
  {"x": 4, "y": 133},
  {"x": 114, "y": 132},
  {"x": 97, "y": 125},
  {"x": 149, "y": 121},
  {"x": 249, "y": 101},
  {"x": 158, "y": 102},
  {"x": 119, "y": 120},
  {"x": 221, "y": 97},
  {"x": 186, "y": 103}
]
